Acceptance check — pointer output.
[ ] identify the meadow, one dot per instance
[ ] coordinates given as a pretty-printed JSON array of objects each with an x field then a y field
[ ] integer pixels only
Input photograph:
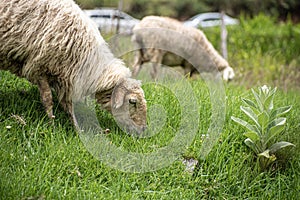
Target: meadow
[{"x": 41, "y": 159}]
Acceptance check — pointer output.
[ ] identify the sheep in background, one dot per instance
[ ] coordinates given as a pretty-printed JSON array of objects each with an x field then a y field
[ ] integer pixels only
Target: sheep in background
[
  {"x": 54, "y": 45},
  {"x": 156, "y": 36}
]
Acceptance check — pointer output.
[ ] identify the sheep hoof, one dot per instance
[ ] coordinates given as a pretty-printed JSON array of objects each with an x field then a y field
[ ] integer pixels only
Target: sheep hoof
[{"x": 51, "y": 120}]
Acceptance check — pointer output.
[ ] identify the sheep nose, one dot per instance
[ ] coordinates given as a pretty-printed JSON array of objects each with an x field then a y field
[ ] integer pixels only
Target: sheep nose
[
  {"x": 230, "y": 79},
  {"x": 144, "y": 128}
]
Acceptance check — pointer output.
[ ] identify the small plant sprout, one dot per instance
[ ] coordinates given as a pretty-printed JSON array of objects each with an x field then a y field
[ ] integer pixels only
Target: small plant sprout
[{"x": 267, "y": 122}]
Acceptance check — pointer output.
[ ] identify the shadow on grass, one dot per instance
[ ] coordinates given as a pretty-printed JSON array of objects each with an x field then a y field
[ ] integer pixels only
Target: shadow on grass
[{"x": 25, "y": 103}]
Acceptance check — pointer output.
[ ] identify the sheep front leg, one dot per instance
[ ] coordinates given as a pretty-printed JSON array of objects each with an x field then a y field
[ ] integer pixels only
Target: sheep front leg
[
  {"x": 153, "y": 72},
  {"x": 156, "y": 61},
  {"x": 188, "y": 69},
  {"x": 68, "y": 107},
  {"x": 46, "y": 96},
  {"x": 137, "y": 63}
]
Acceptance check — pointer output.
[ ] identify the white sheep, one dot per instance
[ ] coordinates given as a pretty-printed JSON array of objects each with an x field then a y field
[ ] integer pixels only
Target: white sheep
[
  {"x": 163, "y": 40},
  {"x": 53, "y": 44}
]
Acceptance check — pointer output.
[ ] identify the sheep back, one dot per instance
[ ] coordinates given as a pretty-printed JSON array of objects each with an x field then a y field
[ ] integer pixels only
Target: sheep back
[
  {"x": 186, "y": 42},
  {"x": 54, "y": 38}
]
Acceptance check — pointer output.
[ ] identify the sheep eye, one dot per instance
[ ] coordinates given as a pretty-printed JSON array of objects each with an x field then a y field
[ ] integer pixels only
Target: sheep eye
[{"x": 132, "y": 101}]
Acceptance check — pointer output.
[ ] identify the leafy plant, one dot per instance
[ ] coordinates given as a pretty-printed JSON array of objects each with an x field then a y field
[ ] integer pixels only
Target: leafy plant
[{"x": 268, "y": 122}]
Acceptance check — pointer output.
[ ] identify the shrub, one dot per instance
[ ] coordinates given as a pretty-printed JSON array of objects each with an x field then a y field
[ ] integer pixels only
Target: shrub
[{"x": 267, "y": 122}]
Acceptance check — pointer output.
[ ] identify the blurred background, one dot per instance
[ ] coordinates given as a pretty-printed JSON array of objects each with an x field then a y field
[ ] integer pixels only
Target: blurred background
[
  {"x": 263, "y": 40},
  {"x": 281, "y": 9}
]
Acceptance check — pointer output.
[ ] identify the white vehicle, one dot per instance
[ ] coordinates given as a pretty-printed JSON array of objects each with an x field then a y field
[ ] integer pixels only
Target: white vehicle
[
  {"x": 209, "y": 19},
  {"x": 107, "y": 20}
]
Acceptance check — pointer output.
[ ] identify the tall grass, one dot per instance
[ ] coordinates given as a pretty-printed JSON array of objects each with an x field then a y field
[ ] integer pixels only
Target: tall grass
[{"x": 261, "y": 50}]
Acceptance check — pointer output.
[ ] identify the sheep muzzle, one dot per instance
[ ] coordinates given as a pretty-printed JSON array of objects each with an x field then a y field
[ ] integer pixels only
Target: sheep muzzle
[{"x": 128, "y": 106}]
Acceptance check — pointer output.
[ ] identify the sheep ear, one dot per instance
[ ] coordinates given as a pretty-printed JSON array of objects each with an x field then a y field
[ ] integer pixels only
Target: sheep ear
[{"x": 118, "y": 97}]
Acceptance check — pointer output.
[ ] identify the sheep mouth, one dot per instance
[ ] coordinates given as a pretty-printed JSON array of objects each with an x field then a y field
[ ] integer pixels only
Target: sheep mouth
[{"x": 133, "y": 129}]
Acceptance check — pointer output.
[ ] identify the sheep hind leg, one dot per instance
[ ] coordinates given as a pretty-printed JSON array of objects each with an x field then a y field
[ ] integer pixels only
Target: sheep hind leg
[{"x": 46, "y": 96}]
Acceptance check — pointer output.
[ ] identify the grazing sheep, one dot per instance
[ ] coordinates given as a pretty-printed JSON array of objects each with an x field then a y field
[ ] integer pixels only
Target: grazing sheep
[
  {"x": 54, "y": 45},
  {"x": 170, "y": 34}
]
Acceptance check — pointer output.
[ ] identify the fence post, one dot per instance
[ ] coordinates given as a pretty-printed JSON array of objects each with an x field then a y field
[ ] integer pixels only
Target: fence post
[
  {"x": 223, "y": 36},
  {"x": 120, "y": 6}
]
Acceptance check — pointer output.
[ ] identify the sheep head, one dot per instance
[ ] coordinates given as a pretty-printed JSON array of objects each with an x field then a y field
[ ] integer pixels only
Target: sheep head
[{"x": 128, "y": 105}]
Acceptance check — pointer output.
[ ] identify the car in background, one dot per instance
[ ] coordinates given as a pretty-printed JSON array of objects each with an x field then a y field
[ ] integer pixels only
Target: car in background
[
  {"x": 107, "y": 20},
  {"x": 209, "y": 19}
]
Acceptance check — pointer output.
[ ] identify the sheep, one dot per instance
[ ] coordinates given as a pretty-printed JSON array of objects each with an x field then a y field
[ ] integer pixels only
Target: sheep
[
  {"x": 54, "y": 45},
  {"x": 162, "y": 40}
]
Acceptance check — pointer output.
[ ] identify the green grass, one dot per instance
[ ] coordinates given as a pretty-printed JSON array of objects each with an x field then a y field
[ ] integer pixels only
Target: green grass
[
  {"x": 40, "y": 159},
  {"x": 44, "y": 160}
]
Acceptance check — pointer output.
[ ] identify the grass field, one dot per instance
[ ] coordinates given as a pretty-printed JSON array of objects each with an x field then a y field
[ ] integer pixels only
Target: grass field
[
  {"x": 44, "y": 160},
  {"x": 41, "y": 159}
]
